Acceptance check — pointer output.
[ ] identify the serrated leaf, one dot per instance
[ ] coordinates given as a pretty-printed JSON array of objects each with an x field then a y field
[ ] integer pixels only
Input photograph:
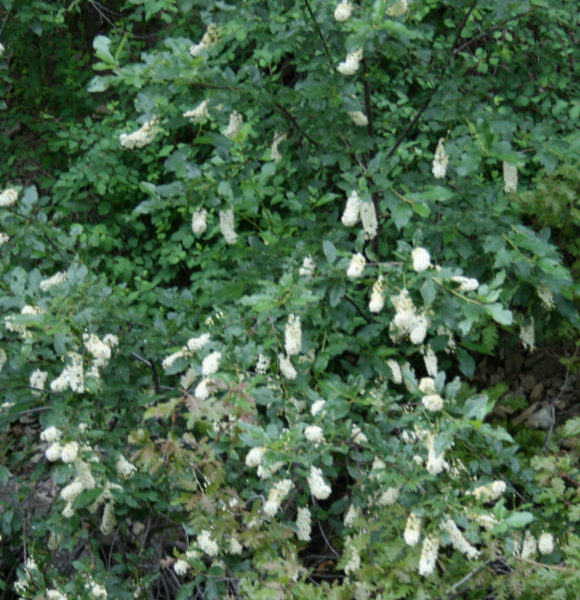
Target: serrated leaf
[
  {"x": 519, "y": 519},
  {"x": 401, "y": 215},
  {"x": 498, "y": 313},
  {"x": 101, "y": 45}
]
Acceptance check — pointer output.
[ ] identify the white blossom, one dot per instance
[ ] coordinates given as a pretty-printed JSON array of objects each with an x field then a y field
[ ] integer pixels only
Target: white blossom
[
  {"x": 357, "y": 436},
  {"x": 234, "y": 126},
  {"x": 199, "y": 113},
  {"x": 54, "y": 594},
  {"x": 395, "y": 370},
  {"x": 318, "y": 487},
  {"x": 2, "y": 49},
  {"x": 436, "y": 463},
  {"x": 142, "y": 137},
  {"x": 546, "y": 297},
  {"x": 440, "y": 161},
  {"x": 209, "y": 38},
  {"x": 351, "y": 64},
  {"x": 84, "y": 474},
  {"x": 353, "y": 564},
  {"x": 262, "y": 364},
  {"x": 430, "y": 360},
  {"x": 458, "y": 540},
  {"x": 3, "y": 238},
  {"x": 286, "y": 367},
  {"x": 108, "y": 521},
  {"x": 276, "y": 496},
  {"x": 433, "y": 402},
  {"x": 546, "y": 543},
  {"x": 199, "y": 221},
  {"x": 389, "y": 497},
  {"x": 510, "y": 178},
  {"x": 97, "y": 591},
  {"x": 8, "y": 197},
  {"x": 96, "y": 347},
  {"x": 358, "y": 118},
  {"x": 419, "y": 329},
  {"x": 356, "y": 266},
  {"x": 368, "y": 216},
  {"x": 293, "y": 335},
  {"x": 527, "y": 335},
  {"x": 181, "y": 566},
  {"x": 317, "y": 407},
  {"x": 427, "y": 385},
  {"x": 255, "y": 457},
  {"x": 343, "y": 10},
  {"x": 351, "y": 514},
  {"x": 314, "y": 434},
  {"x": 377, "y": 301},
  {"x": 351, "y": 210},
  {"x": 57, "y": 279},
  {"x": 489, "y": 493},
  {"x": 421, "y": 259},
  {"x": 235, "y": 546},
  {"x": 308, "y": 267},
  {"x": 227, "y": 226},
  {"x": 72, "y": 491},
  {"x": 530, "y": 546},
  {"x": 69, "y": 452},
  {"x": 51, "y": 434},
  {"x": 398, "y": 9},
  {"x": 53, "y": 452},
  {"x": 169, "y": 360},
  {"x": 195, "y": 344},
  {"x": 429, "y": 553},
  {"x": 412, "y": 533},
  {"x": 274, "y": 152},
  {"x": 125, "y": 468},
  {"x": 303, "y": 524},
  {"x": 202, "y": 390},
  {"x": 467, "y": 284},
  {"x": 211, "y": 364},
  {"x": 71, "y": 377}
]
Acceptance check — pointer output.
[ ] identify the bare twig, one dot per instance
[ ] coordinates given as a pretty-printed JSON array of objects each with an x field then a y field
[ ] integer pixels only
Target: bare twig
[
  {"x": 318, "y": 30},
  {"x": 285, "y": 113},
  {"x": 152, "y": 366}
]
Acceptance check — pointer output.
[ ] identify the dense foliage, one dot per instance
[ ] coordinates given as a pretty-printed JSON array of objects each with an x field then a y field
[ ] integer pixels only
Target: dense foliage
[{"x": 250, "y": 255}]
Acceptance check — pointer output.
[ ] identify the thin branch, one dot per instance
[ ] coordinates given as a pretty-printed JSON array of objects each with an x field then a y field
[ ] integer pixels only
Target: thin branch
[
  {"x": 539, "y": 564},
  {"x": 286, "y": 114},
  {"x": 462, "y": 26},
  {"x": 317, "y": 27},
  {"x": 152, "y": 366}
]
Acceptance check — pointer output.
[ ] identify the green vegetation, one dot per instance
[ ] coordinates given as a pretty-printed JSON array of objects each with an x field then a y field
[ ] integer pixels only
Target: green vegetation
[{"x": 251, "y": 255}]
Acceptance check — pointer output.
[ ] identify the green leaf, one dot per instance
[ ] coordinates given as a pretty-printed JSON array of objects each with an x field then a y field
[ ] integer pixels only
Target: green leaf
[
  {"x": 421, "y": 209},
  {"x": 466, "y": 362},
  {"x": 498, "y": 313},
  {"x": 101, "y": 45},
  {"x": 519, "y": 519},
  {"x": 329, "y": 251},
  {"x": 402, "y": 214}
]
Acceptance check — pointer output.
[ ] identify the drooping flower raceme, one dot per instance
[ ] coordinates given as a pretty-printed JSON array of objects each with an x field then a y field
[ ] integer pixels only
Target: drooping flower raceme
[
  {"x": 199, "y": 221},
  {"x": 368, "y": 216},
  {"x": 352, "y": 63},
  {"x": 343, "y": 11},
  {"x": 274, "y": 152},
  {"x": 209, "y": 38},
  {"x": 421, "y": 259},
  {"x": 440, "y": 161},
  {"x": 510, "y": 178},
  {"x": 303, "y": 524},
  {"x": 293, "y": 335},
  {"x": 38, "y": 380},
  {"x": 286, "y": 367},
  {"x": 433, "y": 402},
  {"x": 352, "y": 210},
  {"x": 546, "y": 543},
  {"x": 125, "y": 468},
  {"x": 262, "y": 364},
  {"x": 489, "y": 493},
  {"x": 458, "y": 540},
  {"x": 277, "y": 494},
  {"x": 395, "y": 370},
  {"x": 199, "y": 113},
  {"x": 255, "y": 457},
  {"x": 358, "y": 118},
  {"x": 318, "y": 487},
  {"x": 429, "y": 554},
  {"x": 308, "y": 267},
  {"x": 207, "y": 544},
  {"x": 546, "y": 297},
  {"x": 430, "y": 360},
  {"x": 530, "y": 546},
  {"x": 528, "y": 336},
  {"x": 2, "y": 49},
  {"x": 71, "y": 377},
  {"x": 57, "y": 279},
  {"x": 466, "y": 284},
  {"x": 142, "y": 137},
  {"x": 377, "y": 301},
  {"x": 356, "y": 266},
  {"x": 3, "y": 238},
  {"x": 412, "y": 533},
  {"x": 314, "y": 434},
  {"x": 8, "y": 197},
  {"x": 234, "y": 126},
  {"x": 211, "y": 364},
  {"x": 227, "y": 226},
  {"x": 398, "y": 9}
]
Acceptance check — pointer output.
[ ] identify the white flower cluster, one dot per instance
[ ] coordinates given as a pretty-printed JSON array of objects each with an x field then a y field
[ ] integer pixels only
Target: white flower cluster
[
  {"x": 3, "y": 238},
  {"x": 308, "y": 267},
  {"x": 96, "y": 347},
  {"x": 262, "y": 364},
  {"x": 458, "y": 540},
  {"x": 234, "y": 126},
  {"x": 342, "y": 11},
  {"x": 407, "y": 321},
  {"x": 293, "y": 335},
  {"x": 255, "y": 457},
  {"x": 318, "y": 487},
  {"x": 489, "y": 493},
  {"x": 276, "y": 496},
  {"x": 21, "y": 585},
  {"x": 546, "y": 543},
  {"x": 71, "y": 377},
  {"x": 377, "y": 301},
  {"x": 353, "y": 564},
  {"x": 318, "y": 407},
  {"x": 466, "y": 284},
  {"x": 56, "y": 279},
  {"x": 351, "y": 514},
  {"x": 358, "y": 118},
  {"x": 389, "y": 497},
  {"x": 193, "y": 345},
  {"x": 303, "y": 524},
  {"x": 352, "y": 210},
  {"x": 352, "y": 63},
  {"x": 235, "y": 546},
  {"x": 22, "y": 330},
  {"x": 286, "y": 367},
  {"x": 510, "y": 178},
  {"x": 314, "y": 434},
  {"x": 180, "y": 566},
  {"x": 421, "y": 259},
  {"x": 412, "y": 533},
  {"x": 529, "y": 546},
  {"x": 55, "y": 595},
  {"x": 395, "y": 370},
  {"x": 356, "y": 266},
  {"x": 209, "y": 38},
  {"x": 431, "y": 364},
  {"x": 436, "y": 463},
  {"x": 227, "y": 226},
  {"x": 199, "y": 113},
  {"x": 528, "y": 336},
  {"x": 142, "y": 137},
  {"x": 274, "y": 152},
  {"x": 108, "y": 520},
  {"x": 398, "y": 9},
  {"x": 357, "y": 436},
  {"x": 2, "y": 49},
  {"x": 440, "y": 161},
  {"x": 429, "y": 553},
  {"x": 368, "y": 216},
  {"x": 125, "y": 468},
  {"x": 211, "y": 364},
  {"x": 199, "y": 221},
  {"x": 37, "y": 380},
  {"x": 432, "y": 402},
  {"x": 8, "y": 197},
  {"x": 546, "y": 297}
]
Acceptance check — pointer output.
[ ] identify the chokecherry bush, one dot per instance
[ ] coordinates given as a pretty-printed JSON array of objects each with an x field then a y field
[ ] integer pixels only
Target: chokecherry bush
[{"x": 274, "y": 404}]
